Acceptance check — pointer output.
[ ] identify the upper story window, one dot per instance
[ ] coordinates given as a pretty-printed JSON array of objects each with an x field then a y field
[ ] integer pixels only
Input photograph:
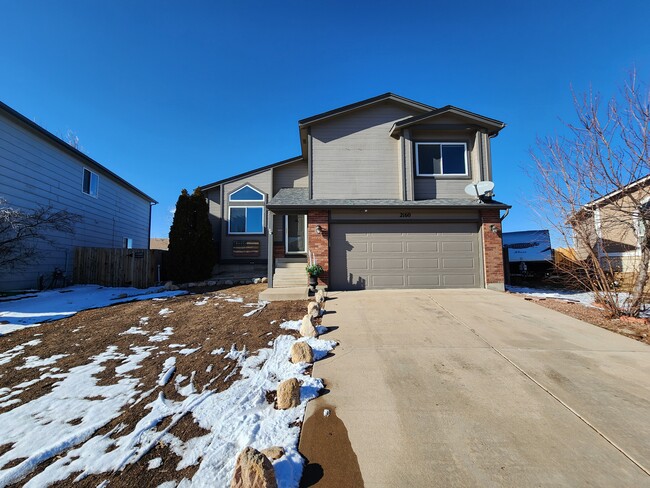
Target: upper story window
[
  {"x": 246, "y": 194},
  {"x": 441, "y": 158},
  {"x": 90, "y": 183},
  {"x": 246, "y": 220}
]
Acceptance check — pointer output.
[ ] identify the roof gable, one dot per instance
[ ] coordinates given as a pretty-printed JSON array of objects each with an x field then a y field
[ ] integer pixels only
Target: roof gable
[
  {"x": 363, "y": 104},
  {"x": 493, "y": 125}
]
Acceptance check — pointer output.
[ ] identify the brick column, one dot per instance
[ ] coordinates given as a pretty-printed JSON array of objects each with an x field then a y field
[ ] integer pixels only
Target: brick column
[
  {"x": 492, "y": 249},
  {"x": 318, "y": 244},
  {"x": 278, "y": 250}
]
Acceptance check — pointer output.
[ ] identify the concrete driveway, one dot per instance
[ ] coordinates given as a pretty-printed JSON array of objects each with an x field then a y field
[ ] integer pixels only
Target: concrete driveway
[{"x": 475, "y": 388}]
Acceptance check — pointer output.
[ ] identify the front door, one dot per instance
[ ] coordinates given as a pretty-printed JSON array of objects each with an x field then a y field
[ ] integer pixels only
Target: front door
[{"x": 295, "y": 234}]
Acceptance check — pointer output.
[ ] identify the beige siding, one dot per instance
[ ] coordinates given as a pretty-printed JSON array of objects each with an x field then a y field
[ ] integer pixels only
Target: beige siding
[
  {"x": 293, "y": 175},
  {"x": 354, "y": 155},
  {"x": 262, "y": 182},
  {"x": 35, "y": 172},
  {"x": 214, "y": 207}
]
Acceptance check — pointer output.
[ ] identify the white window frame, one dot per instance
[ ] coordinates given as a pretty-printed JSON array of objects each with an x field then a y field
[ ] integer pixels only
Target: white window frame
[
  {"x": 83, "y": 178},
  {"x": 261, "y": 194},
  {"x": 247, "y": 207},
  {"x": 286, "y": 236},
  {"x": 127, "y": 243},
  {"x": 441, "y": 143}
]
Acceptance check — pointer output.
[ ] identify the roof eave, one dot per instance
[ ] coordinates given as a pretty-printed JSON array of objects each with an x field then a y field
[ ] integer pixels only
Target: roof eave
[{"x": 251, "y": 173}]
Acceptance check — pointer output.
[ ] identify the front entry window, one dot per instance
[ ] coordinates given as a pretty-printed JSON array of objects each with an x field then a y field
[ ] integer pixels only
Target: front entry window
[{"x": 295, "y": 234}]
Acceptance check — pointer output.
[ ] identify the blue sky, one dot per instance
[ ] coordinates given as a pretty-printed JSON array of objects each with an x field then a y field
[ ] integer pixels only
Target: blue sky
[{"x": 174, "y": 95}]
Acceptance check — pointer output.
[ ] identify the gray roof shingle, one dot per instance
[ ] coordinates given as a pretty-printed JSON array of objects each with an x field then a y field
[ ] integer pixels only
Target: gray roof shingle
[{"x": 294, "y": 198}]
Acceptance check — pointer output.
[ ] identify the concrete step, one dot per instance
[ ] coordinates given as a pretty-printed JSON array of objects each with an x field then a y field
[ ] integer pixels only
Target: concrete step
[
  {"x": 288, "y": 283},
  {"x": 297, "y": 265},
  {"x": 290, "y": 272},
  {"x": 284, "y": 294}
]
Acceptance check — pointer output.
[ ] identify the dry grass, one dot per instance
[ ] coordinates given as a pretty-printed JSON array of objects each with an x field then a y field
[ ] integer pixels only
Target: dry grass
[{"x": 217, "y": 324}]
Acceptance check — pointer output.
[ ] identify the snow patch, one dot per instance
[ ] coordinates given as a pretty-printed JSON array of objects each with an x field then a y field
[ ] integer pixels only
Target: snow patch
[
  {"x": 169, "y": 366},
  {"x": 188, "y": 351},
  {"x": 165, "y": 312},
  {"x": 134, "y": 330},
  {"x": 162, "y": 336},
  {"x": 57, "y": 304}
]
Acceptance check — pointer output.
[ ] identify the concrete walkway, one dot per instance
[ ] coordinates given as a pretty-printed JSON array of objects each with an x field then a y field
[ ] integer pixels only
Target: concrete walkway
[{"x": 475, "y": 388}]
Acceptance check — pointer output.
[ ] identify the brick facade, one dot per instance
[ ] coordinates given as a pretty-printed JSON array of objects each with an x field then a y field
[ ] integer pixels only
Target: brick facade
[
  {"x": 278, "y": 250},
  {"x": 318, "y": 244},
  {"x": 492, "y": 249}
]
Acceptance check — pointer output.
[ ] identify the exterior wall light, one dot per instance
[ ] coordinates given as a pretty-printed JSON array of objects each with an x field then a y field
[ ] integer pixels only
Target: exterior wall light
[
  {"x": 319, "y": 229},
  {"x": 494, "y": 229}
]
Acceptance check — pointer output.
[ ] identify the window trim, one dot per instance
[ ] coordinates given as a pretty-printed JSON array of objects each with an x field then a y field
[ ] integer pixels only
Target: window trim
[
  {"x": 261, "y": 193},
  {"x": 286, "y": 236},
  {"x": 246, "y": 217},
  {"x": 83, "y": 178},
  {"x": 446, "y": 175}
]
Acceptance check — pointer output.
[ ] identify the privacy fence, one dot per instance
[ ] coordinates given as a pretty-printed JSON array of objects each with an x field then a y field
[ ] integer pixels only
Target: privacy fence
[{"x": 140, "y": 268}]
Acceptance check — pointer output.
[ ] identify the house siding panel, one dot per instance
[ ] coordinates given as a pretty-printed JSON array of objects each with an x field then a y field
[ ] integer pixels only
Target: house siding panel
[
  {"x": 354, "y": 156},
  {"x": 34, "y": 172},
  {"x": 293, "y": 175},
  {"x": 263, "y": 182}
]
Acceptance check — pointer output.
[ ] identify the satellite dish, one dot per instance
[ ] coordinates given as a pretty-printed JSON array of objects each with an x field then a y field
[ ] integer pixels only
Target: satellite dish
[{"x": 481, "y": 190}]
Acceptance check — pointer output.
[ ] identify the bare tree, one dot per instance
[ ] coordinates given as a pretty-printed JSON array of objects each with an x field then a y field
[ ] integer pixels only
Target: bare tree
[
  {"x": 595, "y": 192},
  {"x": 22, "y": 231}
]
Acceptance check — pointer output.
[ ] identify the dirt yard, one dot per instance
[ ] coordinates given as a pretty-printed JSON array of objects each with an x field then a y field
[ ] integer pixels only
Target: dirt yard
[
  {"x": 199, "y": 328},
  {"x": 637, "y": 329}
]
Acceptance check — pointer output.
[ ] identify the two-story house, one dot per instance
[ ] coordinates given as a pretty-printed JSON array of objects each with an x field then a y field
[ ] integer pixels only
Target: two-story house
[
  {"x": 38, "y": 169},
  {"x": 377, "y": 198}
]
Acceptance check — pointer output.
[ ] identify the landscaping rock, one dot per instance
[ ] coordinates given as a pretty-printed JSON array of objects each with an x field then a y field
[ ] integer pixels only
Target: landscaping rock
[
  {"x": 273, "y": 453},
  {"x": 228, "y": 282},
  {"x": 253, "y": 470},
  {"x": 301, "y": 352},
  {"x": 288, "y": 394},
  {"x": 307, "y": 328},
  {"x": 313, "y": 309},
  {"x": 173, "y": 288},
  {"x": 265, "y": 280},
  {"x": 257, "y": 281},
  {"x": 168, "y": 285},
  {"x": 320, "y": 296},
  {"x": 212, "y": 283}
]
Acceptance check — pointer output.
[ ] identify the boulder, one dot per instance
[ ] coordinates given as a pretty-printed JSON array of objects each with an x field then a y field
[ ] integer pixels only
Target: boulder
[
  {"x": 307, "y": 328},
  {"x": 168, "y": 285},
  {"x": 228, "y": 282},
  {"x": 301, "y": 352},
  {"x": 253, "y": 470},
  {"x": 313, "y": 309},
  {"x": 257, "y": 281},
  {"x": 273, "y": 453},
  {"x": 211, "y": 283},
  {"x": 320, "y": 296},
  {"x": 265, "y": 280},
  {"x": 288, "y": 394},
  {"x": 173, "y": 288}
]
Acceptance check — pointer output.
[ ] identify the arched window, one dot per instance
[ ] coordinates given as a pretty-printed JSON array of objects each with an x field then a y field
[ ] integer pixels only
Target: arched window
[{"x": 246, "y": 194}]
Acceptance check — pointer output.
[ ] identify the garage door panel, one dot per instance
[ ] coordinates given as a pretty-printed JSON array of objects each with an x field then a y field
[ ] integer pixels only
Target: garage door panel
[
  {"x": 417, "y": 264},
  {"x": 424, "y": 281},
  {"x": 387, "y": 247},
  {"x": 382, "y": 264},
  {"x": 387, "y": 281},
  {"x": 404, "y": 255},
  {"x": 424, "y": 246},
  {"x": 457, "y": 246},
  {"x": 456, "y": 280},
  {"x": 358, "y": 264},
  {"x": 458, "y": 263}
]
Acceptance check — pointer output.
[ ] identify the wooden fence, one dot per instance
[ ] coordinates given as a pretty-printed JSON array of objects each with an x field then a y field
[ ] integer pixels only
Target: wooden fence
[{"x": 139, "y": 268}]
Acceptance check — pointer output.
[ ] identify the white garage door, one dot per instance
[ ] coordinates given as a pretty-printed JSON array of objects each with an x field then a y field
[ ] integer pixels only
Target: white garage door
[{"x": 404, "y": 255}]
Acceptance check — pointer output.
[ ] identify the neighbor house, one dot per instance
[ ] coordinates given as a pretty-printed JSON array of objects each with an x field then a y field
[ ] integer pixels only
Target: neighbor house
[
  {"x": 376, "y": 197},
  {"x": 611, "y": 228},
  {"x": 39, "y": 169}
]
